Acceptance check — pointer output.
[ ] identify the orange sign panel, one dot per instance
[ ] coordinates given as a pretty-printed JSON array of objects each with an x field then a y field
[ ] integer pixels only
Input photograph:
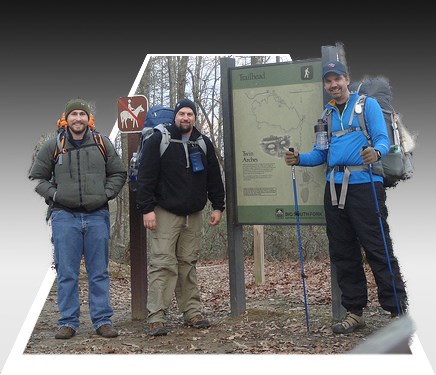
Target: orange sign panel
[{"x": 131, "y": 113}]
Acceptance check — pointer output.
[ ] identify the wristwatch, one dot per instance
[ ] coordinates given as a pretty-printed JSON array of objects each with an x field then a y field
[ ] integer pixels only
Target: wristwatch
[{"x": 379, "y": 155}]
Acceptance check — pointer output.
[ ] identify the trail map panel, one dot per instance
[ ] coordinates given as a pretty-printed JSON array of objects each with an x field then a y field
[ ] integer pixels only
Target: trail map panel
[{"x": 275, "y": 107}]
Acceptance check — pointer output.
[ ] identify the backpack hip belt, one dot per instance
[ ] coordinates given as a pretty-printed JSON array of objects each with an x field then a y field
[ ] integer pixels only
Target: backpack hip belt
[{"x": 347, "y": 171}]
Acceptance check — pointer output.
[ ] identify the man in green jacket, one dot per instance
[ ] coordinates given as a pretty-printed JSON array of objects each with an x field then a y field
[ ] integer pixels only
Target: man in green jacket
[{"x": 77, "y": 186}]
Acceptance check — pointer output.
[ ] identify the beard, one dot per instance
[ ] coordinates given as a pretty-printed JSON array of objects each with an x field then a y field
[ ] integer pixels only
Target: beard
[
  {"x": 185, "y": 128},
  {"x": 74, "y": 129}
]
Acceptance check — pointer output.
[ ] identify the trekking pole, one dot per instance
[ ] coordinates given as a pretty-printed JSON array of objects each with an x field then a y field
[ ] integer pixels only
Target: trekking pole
[
  {"x": 383, "y": 235},
  {"x": 297, "y": 217}
]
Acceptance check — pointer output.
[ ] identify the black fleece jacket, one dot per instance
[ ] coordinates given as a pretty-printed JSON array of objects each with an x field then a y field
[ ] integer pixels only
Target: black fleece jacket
[{"x": 166, "y": 180}]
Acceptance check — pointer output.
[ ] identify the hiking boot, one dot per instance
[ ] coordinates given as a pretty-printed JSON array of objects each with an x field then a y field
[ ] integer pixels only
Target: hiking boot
[
  {"x": 197, "y": 322},
  {"x": 395, "y": 315},
  {"x": 107, "y": 331},
  {"x": 65, "y": 333},
  {"x": 350, "y": 323},
  {"x": 157, "y": 329}
]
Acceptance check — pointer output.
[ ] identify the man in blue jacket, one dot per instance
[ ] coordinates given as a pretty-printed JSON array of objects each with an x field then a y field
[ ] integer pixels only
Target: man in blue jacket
[
  {"x": 173, "y": 189},
  {"x": 352, "y": 221}
]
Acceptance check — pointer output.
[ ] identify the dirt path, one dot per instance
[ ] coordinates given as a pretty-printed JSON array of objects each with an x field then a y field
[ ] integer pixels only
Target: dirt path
[{"x": 274, "y": 321}]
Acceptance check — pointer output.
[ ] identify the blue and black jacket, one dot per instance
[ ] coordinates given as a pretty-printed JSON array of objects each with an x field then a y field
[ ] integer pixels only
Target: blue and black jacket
[{"x": 345, "y": 150}]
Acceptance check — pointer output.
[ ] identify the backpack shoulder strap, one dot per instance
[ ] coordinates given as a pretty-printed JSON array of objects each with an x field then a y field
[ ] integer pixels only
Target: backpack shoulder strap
[
  {"x": 100, "y": 143},
  {"x": 359, "y": 108},
  {"x": 166, "y": 137},
  {"x": 326, "y": 116},
  {"x": 202, "y": 144},
  {"x": 199, "y": 141},
  {"x": 146, "y": 132},
  {"x": 60, "y": 147}
]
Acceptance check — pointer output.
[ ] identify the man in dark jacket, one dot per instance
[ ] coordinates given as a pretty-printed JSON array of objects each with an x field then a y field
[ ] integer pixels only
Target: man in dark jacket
[
  {"x": 173, "y": 189},
  {"x": 77, "y": 188}
]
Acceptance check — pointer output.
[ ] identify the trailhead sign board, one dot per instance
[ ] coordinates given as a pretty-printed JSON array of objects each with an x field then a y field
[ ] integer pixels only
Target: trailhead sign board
[{"x": 275, "y": 107}]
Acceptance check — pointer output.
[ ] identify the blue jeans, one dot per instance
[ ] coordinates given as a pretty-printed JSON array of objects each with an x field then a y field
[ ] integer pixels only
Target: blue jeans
[{"x": 77, "y": 234}]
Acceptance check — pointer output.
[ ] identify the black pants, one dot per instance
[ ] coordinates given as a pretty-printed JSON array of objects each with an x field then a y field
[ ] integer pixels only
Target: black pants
[{"x": 355, "y": 227}]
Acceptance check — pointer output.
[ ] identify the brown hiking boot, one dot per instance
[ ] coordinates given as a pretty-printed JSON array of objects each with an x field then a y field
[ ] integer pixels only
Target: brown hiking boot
[
  {"x": 107, "y": 331},
  {"x": 65, "y": 333},
  {"x": 350, "y": 323},
  {"x": 157, "y": 329},
  {"x": 197, "y": 322}
]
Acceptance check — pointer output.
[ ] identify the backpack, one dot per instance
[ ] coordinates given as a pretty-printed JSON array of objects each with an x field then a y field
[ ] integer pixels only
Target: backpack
[
  {"x": 158, "y": 114},
  {"x": 158, "y": 118},
  {"x": 397, "y": 164},
  {"x": 62, "y": 134}
]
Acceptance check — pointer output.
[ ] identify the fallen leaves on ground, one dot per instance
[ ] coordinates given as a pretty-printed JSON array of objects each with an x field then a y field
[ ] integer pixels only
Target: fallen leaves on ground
[{"x": 274, "y": 320}]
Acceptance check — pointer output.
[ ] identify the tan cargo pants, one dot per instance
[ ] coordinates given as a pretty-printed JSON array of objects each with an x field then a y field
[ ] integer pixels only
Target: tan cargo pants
[{"x": 175, "y": 248}]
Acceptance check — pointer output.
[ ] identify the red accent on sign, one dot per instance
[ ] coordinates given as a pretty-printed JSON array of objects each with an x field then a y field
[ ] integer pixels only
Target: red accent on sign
[{"x": 131, "y": 113}]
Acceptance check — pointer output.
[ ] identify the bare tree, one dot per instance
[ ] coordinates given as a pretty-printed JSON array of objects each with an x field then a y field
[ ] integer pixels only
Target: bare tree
[
  {"x": 182, "y": 66},
  {"x": 168, "y": 79}
]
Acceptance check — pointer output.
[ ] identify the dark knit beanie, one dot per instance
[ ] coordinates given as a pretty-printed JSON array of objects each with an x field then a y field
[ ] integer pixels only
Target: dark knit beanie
[
  {"x": 185, "y": 103},
  {"x": 75, "y": 104}
]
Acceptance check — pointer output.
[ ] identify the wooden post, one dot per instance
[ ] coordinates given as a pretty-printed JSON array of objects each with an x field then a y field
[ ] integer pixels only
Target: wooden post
[
  {"x": 138, "y": 248},
  {"x": 131, "y": 116},
  {"x": 259, "y": 254},
  {"x": 234, "y": 230}
]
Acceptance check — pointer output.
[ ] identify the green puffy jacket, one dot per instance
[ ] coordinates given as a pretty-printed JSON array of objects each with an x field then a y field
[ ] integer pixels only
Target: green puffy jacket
[{"x": 83, "y": 181}]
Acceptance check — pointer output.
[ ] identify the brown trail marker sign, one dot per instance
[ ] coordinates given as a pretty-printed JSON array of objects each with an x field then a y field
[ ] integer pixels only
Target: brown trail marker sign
[
  {"x": 131, "y": 113},
  {"x": 131, "y": 116}
]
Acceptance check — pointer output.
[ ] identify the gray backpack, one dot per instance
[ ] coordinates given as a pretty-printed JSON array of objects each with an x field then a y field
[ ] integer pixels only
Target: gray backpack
[{"x": 397, "y": 165}]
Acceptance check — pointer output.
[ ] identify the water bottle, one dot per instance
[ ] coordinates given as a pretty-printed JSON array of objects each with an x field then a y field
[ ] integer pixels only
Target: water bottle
[
  {"x": 321, "y": 135},
  {"x": 133, "y": 172}
]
